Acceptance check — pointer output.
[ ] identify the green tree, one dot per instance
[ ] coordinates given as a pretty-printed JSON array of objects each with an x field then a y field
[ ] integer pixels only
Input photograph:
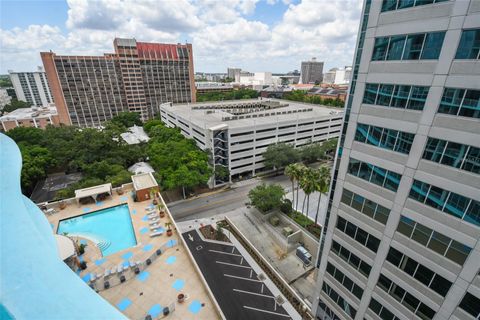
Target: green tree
[
  {"x": 5, "y": 81},
  {"x": 179, "y": 163},
  {"x": 290, "y": 172},
  {"x": 322, "y": 183},
  {"x": 152, "y": 123},
  {"x": 312, "y": 152},
  {"x": 36, "y": 161},
  {"x": 329, "y": 146},
  {"x": 307, "y": 183},
  {"x": 14, "y": 105},
  {"x": 27, "y": 135},
  {"x": 221, "y": 172},
  {"x": 280, "y": 155},
  {"x": 127, "y": 119},
  {"x": 266, "y": 197}
]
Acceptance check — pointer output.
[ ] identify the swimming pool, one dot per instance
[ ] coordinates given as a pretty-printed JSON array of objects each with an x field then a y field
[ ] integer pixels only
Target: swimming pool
[{"x": 110, "y": 229}]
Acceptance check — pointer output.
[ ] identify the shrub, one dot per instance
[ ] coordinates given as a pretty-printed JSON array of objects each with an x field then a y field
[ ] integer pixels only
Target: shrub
[{"x": 286, "y": 206}]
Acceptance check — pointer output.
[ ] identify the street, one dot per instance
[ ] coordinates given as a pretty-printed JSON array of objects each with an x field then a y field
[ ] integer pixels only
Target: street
[
  {"x": 226, "y": 201},
  {"x": 222, "y": 202}
]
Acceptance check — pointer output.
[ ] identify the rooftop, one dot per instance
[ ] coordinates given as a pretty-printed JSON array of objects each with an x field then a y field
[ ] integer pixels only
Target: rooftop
[
  {"x": 28, "y": 113},
  {"x": 248, "y": 113},
  {"x": 144, "y": 181},
  {"x": 135, "y": 135}
]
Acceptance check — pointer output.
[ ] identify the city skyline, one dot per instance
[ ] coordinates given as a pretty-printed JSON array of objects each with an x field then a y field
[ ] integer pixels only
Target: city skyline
[{"x": 249, "y": 34}]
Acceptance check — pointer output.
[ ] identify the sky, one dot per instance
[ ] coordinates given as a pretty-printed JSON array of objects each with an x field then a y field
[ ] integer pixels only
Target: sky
[{"x": 255, "y": 35}]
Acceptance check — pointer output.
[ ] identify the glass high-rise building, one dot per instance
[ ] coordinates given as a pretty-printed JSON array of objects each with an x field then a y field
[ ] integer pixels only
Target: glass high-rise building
[
  {"x": 402, "y": 231},
  {"x": 137, "y": 77}
]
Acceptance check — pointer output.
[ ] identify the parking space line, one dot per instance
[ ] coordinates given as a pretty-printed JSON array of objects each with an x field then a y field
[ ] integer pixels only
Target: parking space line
[
  {"x": 230, "y": 254},
  {"x": 242, "y": 278},
  {"x": 255, "y": 294},
  {"x": 266, "y": 311},
  {"x": 233, "y": 249},
  {"x": 233, "y": 265}
]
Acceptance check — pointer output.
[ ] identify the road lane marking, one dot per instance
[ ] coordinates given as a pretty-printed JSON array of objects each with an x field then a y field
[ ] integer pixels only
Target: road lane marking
[
  {"x": 230, "y": 254},
  {"x": 232, "y": 264},
  {"x": 266, "y": 311},
  {"x": 241, "y": 278},
  {"x": 255, "y": 294}
]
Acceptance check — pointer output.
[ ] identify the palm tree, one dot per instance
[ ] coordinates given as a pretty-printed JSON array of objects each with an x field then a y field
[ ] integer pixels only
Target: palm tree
[
  {"x": 307, "y": 182},
  {"x": 322, "y": 184},
  {"x": 299, "y": 168},
  {"x": 290, "y": 172}
]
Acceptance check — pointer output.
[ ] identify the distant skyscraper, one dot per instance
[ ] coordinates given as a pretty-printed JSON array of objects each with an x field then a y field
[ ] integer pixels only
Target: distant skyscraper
[
  {"x": 234, "y": 73},
  {"x": 401, "y": 237},
  {"x": 31, "y": 87},
  {"x": 312, "y": 71},
  {"x": 138, "y": 77}
]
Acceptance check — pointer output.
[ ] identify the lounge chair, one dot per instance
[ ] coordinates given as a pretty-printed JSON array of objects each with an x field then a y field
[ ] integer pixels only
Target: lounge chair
[
  {"x": 107, "y": 273},
  {"x": 154, "y": 221},
  {"x": 132, "y": 264},
  {"x": 154, "y": 226},
  {"x": 152, "y": 215},
  {"x": 157, "y": 233},
  {"x": 119, "y": 268}
]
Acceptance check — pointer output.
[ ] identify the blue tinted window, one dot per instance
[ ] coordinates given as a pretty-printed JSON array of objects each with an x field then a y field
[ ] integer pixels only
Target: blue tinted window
[
  {"x": 453, "y": 154},
  {"x": 469, "y": 47},
  {"x": 395, "y": 48},
  {"x": 408, "y": 47},
  {"x": 449, "y": 202},
  {"x": 370, "y": 95},
  {"x": 390, "y": 5},
  {"x": 376, "y": 175},
  {"x": 380, "y": 49},
  {"x": 396, "y": 96},
  {"x": 433, "y": 45},
  {"x": 413, "y": 46},
  {"x": 384, "y": 138}
]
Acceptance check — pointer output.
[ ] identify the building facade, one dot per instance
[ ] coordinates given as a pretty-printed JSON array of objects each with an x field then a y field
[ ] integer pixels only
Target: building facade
[
  {"x": 311, "y": 71},
  {"x": 338, "y": 76},
  {"x": 239, "y": 132},
  {"x": 32, "y": 87},
  {"x": 137, "y": 77},
  {"x": 401, "y": 236}
]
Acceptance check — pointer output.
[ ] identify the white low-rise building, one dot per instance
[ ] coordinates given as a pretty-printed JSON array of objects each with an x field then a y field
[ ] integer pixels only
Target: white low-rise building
[
  {"x": 30, "y": 117},
  {"x": 237, "y": 133}
]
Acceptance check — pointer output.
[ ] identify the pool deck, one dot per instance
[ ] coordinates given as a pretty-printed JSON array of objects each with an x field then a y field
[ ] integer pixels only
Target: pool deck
[{"x": 159, "y": 284}]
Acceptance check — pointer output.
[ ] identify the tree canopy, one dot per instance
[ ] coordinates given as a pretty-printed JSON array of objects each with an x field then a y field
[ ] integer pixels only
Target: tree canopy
[
  {"x": 229, "y": 95},
  {"x": 178, "y": 162},
  {"x": 280, "y": 155},
  {"x": 14, "y": 105},
  {"x": 266, "y": 197},
  {"x": 302, "y": 96},
  {"x": 93, "y": 152}
]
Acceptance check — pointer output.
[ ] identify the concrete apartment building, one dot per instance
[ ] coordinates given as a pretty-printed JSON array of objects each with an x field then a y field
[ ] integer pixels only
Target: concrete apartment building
[
  {"x": 401, "y": 237},
  {"x": 239, "y": 132},
  {"x": 32, "y": 87},
  {"x": 311, "y": 71},
  {"x": 137, "y": 77}
]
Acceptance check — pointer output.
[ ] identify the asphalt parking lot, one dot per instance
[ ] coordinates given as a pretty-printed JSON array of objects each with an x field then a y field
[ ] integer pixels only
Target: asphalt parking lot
[{"x": 233, "y": 282}]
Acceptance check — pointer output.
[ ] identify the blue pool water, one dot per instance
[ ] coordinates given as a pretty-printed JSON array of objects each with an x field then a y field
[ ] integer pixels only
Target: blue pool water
[{"x": 110, "y": 228}]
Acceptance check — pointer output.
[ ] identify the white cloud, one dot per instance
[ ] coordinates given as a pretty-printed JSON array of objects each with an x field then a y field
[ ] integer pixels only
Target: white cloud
[{"x": 224, "y": 33}]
